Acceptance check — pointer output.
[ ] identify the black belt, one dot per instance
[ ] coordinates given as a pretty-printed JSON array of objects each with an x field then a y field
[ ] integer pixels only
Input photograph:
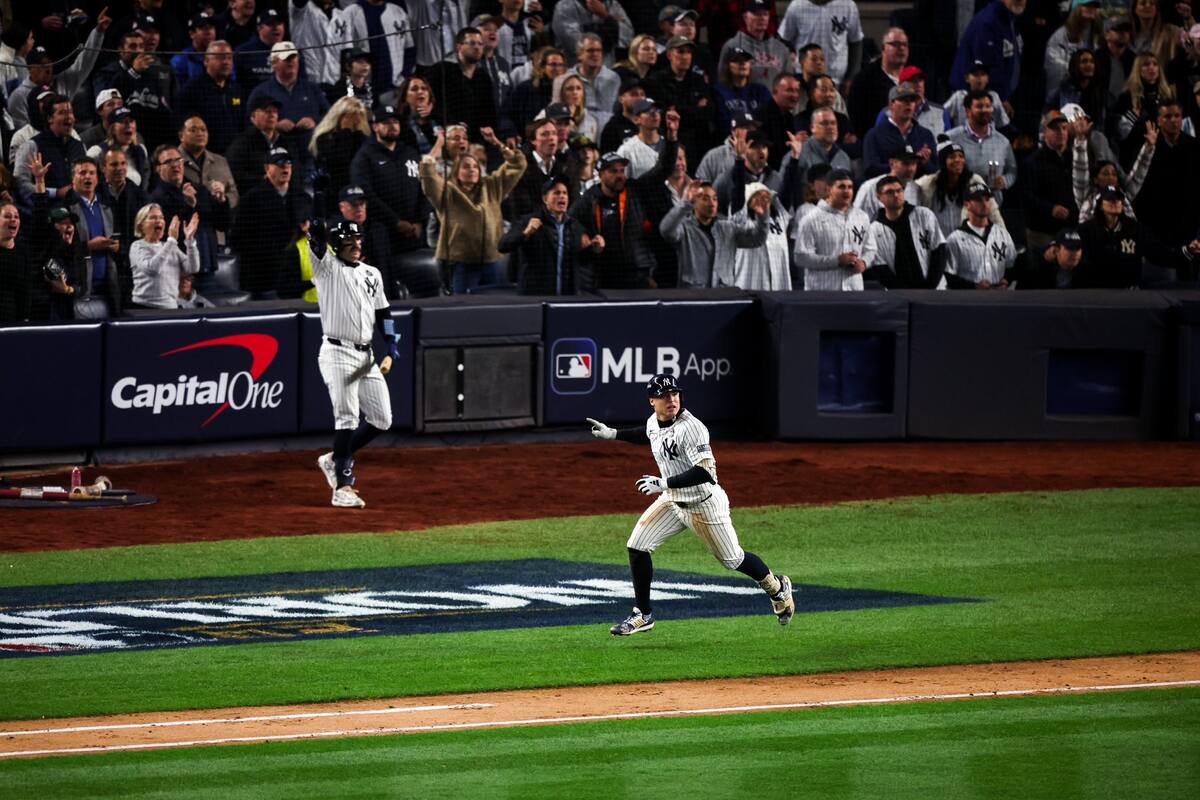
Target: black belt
[
  {"x": 694, "y": 503},
  {"x": 362, "y": 348}
]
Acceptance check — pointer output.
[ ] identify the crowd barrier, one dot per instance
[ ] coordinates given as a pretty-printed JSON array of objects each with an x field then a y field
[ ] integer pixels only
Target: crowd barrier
[{"x": 874, "y": 365}]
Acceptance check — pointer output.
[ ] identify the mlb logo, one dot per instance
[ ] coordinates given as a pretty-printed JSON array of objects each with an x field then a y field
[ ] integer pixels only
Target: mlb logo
[{"x": 573, "y": 366}]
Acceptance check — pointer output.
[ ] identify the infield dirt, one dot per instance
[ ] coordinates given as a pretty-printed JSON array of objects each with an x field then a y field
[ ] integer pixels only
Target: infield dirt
[
  {"x": 592, "y": 703},
  {"x": 284, "y": 494}
]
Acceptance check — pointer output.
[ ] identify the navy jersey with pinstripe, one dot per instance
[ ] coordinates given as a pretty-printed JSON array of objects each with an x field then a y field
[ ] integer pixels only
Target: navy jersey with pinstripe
[{"x": 703, "y": 509}]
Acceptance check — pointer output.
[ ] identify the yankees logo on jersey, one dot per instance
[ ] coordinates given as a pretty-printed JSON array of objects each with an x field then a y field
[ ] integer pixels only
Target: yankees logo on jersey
[
  {"x": 349, "y": 296},
  {"x": 858, "y": 234},
  {"x": 999, "y": 250},
  {"x": 677, "y": 448},
  {"x": 926, "y": 239},
  {"x": 840, "y": 25}
]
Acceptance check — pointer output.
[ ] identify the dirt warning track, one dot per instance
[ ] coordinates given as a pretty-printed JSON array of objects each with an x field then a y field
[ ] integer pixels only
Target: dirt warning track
[{"x": 480, "y": 710}]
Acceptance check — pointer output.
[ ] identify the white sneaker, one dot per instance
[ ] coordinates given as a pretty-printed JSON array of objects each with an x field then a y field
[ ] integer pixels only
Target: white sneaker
[
  {"x": 347, "y": 497},
  {"x": 326, "y": 465},
  {"x": 782, "y": 602}
]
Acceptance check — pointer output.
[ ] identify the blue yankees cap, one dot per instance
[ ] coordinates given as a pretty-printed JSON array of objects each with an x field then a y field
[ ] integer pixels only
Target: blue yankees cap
[{"x": 662, "y": 384}]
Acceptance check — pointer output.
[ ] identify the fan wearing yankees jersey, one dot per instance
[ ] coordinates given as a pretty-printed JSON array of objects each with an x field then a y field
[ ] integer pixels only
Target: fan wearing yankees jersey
[
  {"x": 910, "y": 248},
  {"x": 834, "y": 244},
  {"x": 688, "y": 497},
  {"x": 980, "y": 254},
  {"x": 352, "y": 302}
]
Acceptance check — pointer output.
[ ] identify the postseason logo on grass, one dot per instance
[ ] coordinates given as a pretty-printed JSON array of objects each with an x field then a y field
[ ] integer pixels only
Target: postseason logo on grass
[{"x": 443, "y": 598}]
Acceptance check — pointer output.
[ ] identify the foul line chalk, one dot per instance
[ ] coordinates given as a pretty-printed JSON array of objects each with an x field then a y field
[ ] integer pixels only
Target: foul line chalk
[{"x": 311, "y": 715}]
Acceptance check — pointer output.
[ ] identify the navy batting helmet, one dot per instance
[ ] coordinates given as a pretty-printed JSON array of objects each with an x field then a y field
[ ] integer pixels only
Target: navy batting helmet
[
  {"x": 343, "y": 231},
  {"x": 662, "y": 384}
]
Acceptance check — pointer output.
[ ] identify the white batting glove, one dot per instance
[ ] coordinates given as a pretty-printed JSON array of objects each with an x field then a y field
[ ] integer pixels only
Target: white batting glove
[
  {"x": 602, "y": 431},
  {"x": 651, "y": 484}
]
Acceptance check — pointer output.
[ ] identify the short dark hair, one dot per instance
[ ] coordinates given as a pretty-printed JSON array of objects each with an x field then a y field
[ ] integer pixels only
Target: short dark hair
[
  {"x": 158, "y": 151},
  {"x": 976, "y": 94},
  {"x": 125, "y": 37},
  {"x": 804, "y": 51},
  {"x": 462, "y": 34},
  {"x": 887, "y": 180},
  {"x": 47, "y": 103},
  {"x": 836, "y": 175},
  {"x": 84, "y": 160},
  {"x": 1168, "y": 103},
  {"x": 553, "y": 181}
]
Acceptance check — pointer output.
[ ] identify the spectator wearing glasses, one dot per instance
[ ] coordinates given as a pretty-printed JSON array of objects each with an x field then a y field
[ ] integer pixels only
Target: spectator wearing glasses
[
  {"x": 869, "y": 94},
  {"x": 910, "y": 248},
  {"x": 602, "y": 84},
  {"x": 531, "y": 96},
  {"x": 181, "y": 198},
  {"x": 469, "y": 94},
  {"x": 214, "y": 98}
]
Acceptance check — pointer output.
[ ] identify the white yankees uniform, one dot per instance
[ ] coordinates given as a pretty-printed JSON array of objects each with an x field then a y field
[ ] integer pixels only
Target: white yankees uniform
[
  {"x": 824, "y": 235},
  {"x": 977, "y": 258},
  {"x": 704, "y": 509},
  {"x": 348, "y": 297},
  {"x": 926, "y": 237}
]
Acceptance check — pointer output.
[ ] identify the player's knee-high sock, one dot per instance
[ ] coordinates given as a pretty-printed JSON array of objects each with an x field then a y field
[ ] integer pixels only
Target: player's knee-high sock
[
  {"x": 754, "y": 566},
  {"x": 363, "y": 436},
  {"x": 642, "y": 568},
  {"x": 342, "y": 461}
]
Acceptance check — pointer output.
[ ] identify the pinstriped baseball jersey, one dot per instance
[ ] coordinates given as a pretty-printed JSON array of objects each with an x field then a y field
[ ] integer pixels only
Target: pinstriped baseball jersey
[
  {"x": 825, "y": 234},
  {"x": 348, "y": 297},
  {"x": 977, "y": 258},
  {"x": 926, "y": 236},
  {"x": 677, "y": 448}
]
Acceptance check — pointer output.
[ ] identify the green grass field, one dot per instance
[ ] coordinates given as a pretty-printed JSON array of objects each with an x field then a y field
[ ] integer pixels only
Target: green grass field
[
  {"x": 1136, "y": 745},
  {"x": 1064, "y": 574}
]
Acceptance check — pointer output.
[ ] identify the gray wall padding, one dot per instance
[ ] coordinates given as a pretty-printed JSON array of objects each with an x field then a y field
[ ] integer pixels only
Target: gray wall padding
[
  {"x": 978, "y": 361},
  {"x": 794, "y": 322}
]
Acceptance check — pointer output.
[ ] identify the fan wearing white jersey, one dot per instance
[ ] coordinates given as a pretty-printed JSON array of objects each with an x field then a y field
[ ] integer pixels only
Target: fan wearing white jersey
[
  {"x": 352, "y": 302},
  {"x": 688, "y": 497}
]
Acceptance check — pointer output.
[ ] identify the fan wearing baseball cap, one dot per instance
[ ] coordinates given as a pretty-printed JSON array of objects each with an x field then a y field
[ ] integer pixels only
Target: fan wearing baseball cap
[
  {"x": 1050, "y": 202},
  {"x": 42, "y": 72},
  {"x": 1115, "y": 244},
  {"x": 735, "y": 93},
  {"x": 980, "y": 254},
  {"x": 770, "y": 55}
]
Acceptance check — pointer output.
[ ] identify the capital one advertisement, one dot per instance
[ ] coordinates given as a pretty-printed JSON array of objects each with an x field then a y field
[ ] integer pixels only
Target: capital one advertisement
[
  {"x": 600, "y": 357},
  {"x": 201, "y": 379}
]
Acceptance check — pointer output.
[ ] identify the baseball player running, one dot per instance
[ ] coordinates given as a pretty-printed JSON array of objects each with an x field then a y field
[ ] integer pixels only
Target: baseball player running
[
  {"x": 689, "y": 497},
  {"x": 351, "y": 298}
]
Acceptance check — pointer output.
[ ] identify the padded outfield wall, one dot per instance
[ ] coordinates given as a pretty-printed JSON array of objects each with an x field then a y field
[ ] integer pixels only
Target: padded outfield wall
[{"x": 876, "y": 365}]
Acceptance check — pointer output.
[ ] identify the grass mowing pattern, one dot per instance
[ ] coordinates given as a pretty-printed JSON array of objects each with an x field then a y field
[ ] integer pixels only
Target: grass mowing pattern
[
  {"x": 1066, "y": 574},
  {"x": 1136, "y": 744}
]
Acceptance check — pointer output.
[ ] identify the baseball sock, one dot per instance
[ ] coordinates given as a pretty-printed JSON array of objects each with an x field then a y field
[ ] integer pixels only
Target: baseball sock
[
  {"x": 642, "y": 568},
  {"x": 363, "y": 436},
  {"x": 342, "y": 462},
  {"x": 754, "y": 567}
]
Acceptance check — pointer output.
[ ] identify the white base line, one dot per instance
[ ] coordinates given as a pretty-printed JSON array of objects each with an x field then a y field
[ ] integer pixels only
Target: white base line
[
  {"x": 600, "y": 717},
  {"x": 310, "y": 715}
]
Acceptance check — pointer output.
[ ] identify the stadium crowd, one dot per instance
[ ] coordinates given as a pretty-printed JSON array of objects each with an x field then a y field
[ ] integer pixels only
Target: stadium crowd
[{"x": 153, "y": 149}]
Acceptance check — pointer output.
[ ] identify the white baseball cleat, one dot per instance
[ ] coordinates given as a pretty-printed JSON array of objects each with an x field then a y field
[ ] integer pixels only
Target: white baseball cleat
[
  {"x": 782, "y": 602},
  {"x": 326, "y": 465},
  {"x": 347, "y": 497}
]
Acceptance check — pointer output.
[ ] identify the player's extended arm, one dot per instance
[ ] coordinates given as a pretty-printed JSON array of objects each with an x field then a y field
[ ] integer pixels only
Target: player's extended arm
[
  {"x": 383, "y": 318},
  {"x": 652, "y": 484},
  {"x": 631, "y": 435}
]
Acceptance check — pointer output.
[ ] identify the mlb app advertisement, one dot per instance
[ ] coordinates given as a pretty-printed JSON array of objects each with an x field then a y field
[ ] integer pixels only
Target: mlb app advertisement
[{"x": 601, "y": 357}]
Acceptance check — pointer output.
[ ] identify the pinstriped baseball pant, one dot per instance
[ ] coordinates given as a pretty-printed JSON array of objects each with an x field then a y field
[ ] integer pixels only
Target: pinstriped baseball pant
[
  {"x": 353, "y": 380},
  {"x": 709, "y": 520}
]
